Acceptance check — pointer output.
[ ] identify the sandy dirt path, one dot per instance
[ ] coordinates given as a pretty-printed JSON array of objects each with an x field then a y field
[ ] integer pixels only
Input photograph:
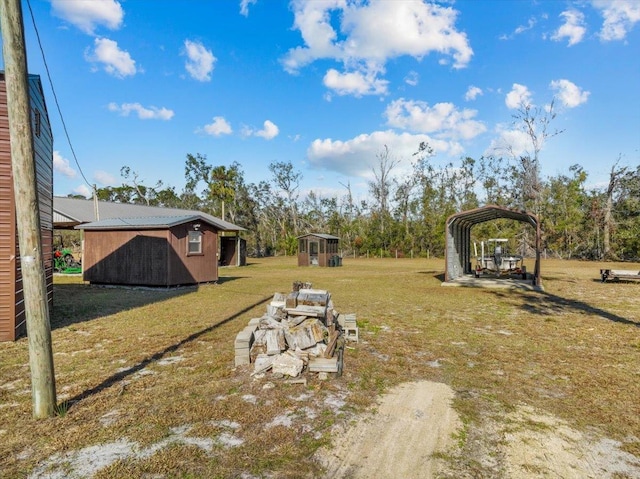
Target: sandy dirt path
[{"x": 413, "y": 421}]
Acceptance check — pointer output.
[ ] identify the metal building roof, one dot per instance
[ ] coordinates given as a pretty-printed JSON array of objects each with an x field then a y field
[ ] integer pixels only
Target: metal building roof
[
  {"x": 147, "y": 222},
  {"x": 69, "y": 212},
  {"x": 489, "y": 213}
]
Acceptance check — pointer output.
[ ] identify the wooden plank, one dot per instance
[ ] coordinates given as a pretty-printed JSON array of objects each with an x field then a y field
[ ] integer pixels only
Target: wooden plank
[{"x": 331, "y": 346}]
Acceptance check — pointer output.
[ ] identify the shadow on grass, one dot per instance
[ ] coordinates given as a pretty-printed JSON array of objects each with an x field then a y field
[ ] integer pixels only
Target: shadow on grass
[
  {"x": 543, "y": 303},
  {"x": 439, "y": 275},
  {"x": 77, "y": 303},
  {"x": 119, "y": 376},
  {"x": 617, "y": 281},
  {"x": 228, "y": 279}
]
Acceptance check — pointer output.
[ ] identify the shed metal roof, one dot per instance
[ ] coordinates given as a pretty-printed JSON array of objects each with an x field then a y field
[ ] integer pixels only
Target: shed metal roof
[
  {"x": 69, "y": 212},
  {"x": 320, "y": 235},
  {"x": 148, "y": 222}
]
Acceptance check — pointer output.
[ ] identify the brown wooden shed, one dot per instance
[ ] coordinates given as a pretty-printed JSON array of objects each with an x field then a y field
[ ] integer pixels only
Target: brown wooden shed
[
  {"x": 12, "y": 314},
  {"x": 150, "y": 251},
  {"x": 318, "y": 249},
  {"x": 71, "y": 212}
]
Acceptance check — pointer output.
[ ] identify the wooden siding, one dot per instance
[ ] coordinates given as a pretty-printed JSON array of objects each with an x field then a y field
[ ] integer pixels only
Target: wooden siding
[
  {"x": 149, "y": 257},
  {"x": 12, "y": 316}
]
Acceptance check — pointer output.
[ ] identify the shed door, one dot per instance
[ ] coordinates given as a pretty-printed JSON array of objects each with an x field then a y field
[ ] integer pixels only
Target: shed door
[{"x": 313, "y": 253}]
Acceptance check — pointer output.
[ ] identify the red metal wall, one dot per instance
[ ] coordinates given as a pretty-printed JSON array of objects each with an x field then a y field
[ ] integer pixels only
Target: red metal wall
[{"x": 12, "y": 317}]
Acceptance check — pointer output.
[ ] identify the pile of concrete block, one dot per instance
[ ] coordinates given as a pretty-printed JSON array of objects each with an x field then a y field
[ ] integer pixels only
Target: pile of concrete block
[{"x": 300, "y": 331}]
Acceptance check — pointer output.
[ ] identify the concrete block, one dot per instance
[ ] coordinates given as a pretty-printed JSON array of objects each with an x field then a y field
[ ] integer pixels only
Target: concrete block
[
  {"x": 244, "y": 338},
  {"x": 328, "y": 365},
  {"x": 287, "y": 364},
  {"x": 242, "y": 360},
  {"x": 351, "y": 333}
]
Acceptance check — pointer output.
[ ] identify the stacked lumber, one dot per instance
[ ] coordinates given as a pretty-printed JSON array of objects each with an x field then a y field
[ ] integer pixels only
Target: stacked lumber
[{"x": 300, "y": 331}]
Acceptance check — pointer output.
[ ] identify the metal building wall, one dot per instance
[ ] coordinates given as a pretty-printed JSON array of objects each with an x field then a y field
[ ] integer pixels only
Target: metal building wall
[{"x": 12, "y": 317}]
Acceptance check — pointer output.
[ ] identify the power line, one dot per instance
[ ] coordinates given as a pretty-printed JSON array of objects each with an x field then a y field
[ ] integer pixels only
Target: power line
[{"x": 55, "y": 97}]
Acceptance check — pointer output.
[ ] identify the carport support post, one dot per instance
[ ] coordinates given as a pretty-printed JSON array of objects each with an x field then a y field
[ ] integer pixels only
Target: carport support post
[{"x": 43, "y": 389}]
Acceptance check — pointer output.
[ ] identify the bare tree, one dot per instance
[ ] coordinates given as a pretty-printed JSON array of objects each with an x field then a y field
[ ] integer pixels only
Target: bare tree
[
  {"x": 535, "y": 122},
  {"x": 288, "y": 180},
  {"x": 142, "y": 191},
  {"x": 614, "y": 179},
  {"x": 380, "y": 187}
]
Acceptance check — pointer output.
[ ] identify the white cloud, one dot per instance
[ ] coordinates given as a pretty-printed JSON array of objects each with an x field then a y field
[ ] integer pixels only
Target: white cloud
[
  {"x": 103, "y": 178},
  {"x": 511, "y": 141},
  {"x": 569, "y": 94},
  {"x": 116, "y": 62},
  {"x": 573, "y": 27},
  {"x": 355, "y": 83},
  {"x": 357, "y": 156},
  {"x": 61, "y": 165},
  {"x": 219, "y": 127},
  {"x": 87, "y": 15},
  {"x": 269, "y": 131},
  {"x": 472, "y": 93},
  {"x": 520, "y": 29},
  {"x": 443, "y": 119},
  {"x": 620, "y": 16},
  {"x": 244, "y": 6},
  {"x": 150, "y": 113},
  {"x": 519, "y": 96},
  {"x": 84, "y": 191},
  {"x": 412, "y": 78},
  {"x": 371, "y": 34},
  {"x": 200, "y": 61}
]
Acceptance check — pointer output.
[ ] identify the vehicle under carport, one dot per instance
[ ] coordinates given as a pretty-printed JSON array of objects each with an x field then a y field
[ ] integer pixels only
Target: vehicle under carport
[{"x": 458, "y": 256}]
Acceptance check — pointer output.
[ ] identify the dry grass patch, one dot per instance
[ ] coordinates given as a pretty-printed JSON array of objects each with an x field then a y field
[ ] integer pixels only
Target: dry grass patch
[{"x": 150, "y": 372}]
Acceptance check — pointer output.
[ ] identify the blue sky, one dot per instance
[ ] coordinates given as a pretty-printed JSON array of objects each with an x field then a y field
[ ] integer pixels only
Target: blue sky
[{"x": 326, "y": 84}]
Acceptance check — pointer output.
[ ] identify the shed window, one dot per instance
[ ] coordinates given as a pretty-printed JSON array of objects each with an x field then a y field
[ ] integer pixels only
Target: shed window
[
  {"x": 195, "y": 242},
  {"x": 302, "y": 246}
]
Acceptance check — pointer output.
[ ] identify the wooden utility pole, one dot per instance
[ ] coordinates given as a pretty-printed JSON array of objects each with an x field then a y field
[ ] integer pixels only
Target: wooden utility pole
[{"x": 43, "y": 389}]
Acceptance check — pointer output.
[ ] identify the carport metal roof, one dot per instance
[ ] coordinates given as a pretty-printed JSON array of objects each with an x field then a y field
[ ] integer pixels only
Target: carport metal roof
[{"x": 458, "y": 237}]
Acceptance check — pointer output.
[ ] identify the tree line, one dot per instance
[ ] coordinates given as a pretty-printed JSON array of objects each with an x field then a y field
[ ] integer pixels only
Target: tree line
[{"x": 405, "y": 214}]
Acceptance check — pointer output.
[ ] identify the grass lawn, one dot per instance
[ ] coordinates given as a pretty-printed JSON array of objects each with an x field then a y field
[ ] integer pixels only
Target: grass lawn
[{"x": 149, "y": 374}]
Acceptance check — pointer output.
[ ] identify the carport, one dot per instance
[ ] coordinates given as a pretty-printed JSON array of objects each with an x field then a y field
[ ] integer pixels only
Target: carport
[{"x": 458, "y": 238}]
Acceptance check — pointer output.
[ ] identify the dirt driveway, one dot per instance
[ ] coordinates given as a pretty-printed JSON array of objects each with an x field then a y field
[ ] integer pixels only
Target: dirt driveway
[{"x": 414, "y": 427}]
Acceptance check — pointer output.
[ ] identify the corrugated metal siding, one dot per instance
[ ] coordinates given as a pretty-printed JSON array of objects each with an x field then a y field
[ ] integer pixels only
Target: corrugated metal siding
[
  {"x": 7, "y": 227},
  {"x": 43, "y": 148},
  {"x": 12, "y": 316}
]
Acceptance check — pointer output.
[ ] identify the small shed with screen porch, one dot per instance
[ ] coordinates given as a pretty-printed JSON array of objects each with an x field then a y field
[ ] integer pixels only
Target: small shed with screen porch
[{"x": 318, "y": 249}]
